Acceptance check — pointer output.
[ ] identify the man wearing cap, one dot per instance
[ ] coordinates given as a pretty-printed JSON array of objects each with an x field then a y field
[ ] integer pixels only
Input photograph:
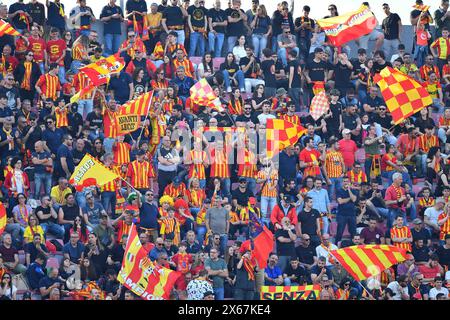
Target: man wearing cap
[
  {"x": 281, "y": 210},
  {"x": 140, "y": 173},
  {"x": 431, "y": 216},
  {"x": 419, "y": 232},
  {"x": 348, "y": 148}
]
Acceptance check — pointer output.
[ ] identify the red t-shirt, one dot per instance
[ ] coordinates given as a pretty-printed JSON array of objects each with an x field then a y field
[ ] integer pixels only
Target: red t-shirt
[
  {"x": 348, "y": 149},
  {"x": 391, "y": 194},
  {"x": 38, "y": 47},
  {"x": 55, "y": 49},
  {"x": 309, "y": 156},
  {"x": 429, "y": 272}
]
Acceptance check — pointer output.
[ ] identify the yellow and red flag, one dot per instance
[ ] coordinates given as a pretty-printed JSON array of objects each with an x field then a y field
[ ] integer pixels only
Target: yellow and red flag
[
  {"x": 421, "y": 7},
  {"x": 3, "y": 218},
  {"x": 82, "y": 92},
  {"x": 127, "y": 123},
  {"x": 281, "y": 134},
  {"x": 86, "y": 292},
  {"x": 349, "y": 26},
  {"x": 140, "y": 106},
  {"x": 99, "y": 72},
  {"x": 318, "y": 87},
  {"x": 7, "y": 28},
  {"x": 139, "y": 274},
  {"x": 203, "y": 95},
  {"x": 145, "y": 34},
  {"x": 403, "y": 95},
  {"x": 319, "y": 105},
  {"x": 366, "y": 261},
  {"x": 310, "y": 292},
  {"x": 91, "y": 172}
]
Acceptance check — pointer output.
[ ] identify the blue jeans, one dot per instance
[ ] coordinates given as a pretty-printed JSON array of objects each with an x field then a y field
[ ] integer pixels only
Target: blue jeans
[
  {"x": 75, "y": 66},
  {"x": 197, "y": 40},
  {"x": 288, "y": 282},
  {"x": 85, "y": 107},
  {"x": 219, "y": 293},
  {"x": 350, "y": 221},
  {"x": 223, "y": 242},
  {"x": 283, "y": 261},
  {"x": 295, "y": 94},
  {"x": 112, "y": 43},
  {"x": 274, "y": 43},
  {"x": 181, "y": 36},
  {"x": 215, "y": 43},
  {"x": 239, "y": 76},
  {"x": 267, "y": 205},
  {"x": 54, "y": 229},
  {"x": 335, "y": 185},
  {"x": 420, "y": 54},
  {"x": 259, "y": 44},
  {"x": 16, "y": 231},
  {"x": 231, "y": 42},
  {"x": 108, "y": 144},
  {"x": 226, "y": 187},
  {"x": 62, "y": 75},
  {"x": 109, "y": 202},
  {"x": 42, "y": 179},
  {"x": 282, "y": 54},
  {"x": 42, "y": 67}
]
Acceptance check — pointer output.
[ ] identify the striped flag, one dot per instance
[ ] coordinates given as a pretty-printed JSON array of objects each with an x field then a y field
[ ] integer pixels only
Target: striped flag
[
  {"x": 281, "y": 134},
  {"x": 145, "y": 34},
  {"x": 140, "y": 106},
  {"x": 366, "y": 261},
  {"x": 3, "y": 218},
  {"x": 6, "y": 28},
  {"x": 146, "y": 279},
  {"x": 349, "y": 26},
  {"x": 82, "y": 92},
  {"x": 310, "y": 292},
  {"x": 203, "y": 95},
  {"x": 100, "y": 72},
  {"x": 403, "y": 95}
]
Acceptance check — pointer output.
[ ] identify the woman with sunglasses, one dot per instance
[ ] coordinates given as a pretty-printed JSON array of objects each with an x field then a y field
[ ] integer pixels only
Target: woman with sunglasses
[
  {"x": 79, "y": 226},
  {"x": 98, "y": 150},
  {"x": 159, "y": 81},
  {"x": 7, "y": 289},
  {"x": 26, "y": 74},
  {"x": 32, "y": 229}
]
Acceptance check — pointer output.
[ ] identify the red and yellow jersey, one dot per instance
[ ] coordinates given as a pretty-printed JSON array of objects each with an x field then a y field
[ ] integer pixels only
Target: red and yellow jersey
[
  {"x": 175, "y": 192},
  {"x": 357, "y": 178},
  {"x": 445, "y": 228},
  {"x": 432, "y": 88},
  {"x": 269, "y": 188},
  {"x": 388, "y": 157},
  {"x": 26, "y": 82},
  {"x": 426, "y": 202},
  {"x": 170, "y": 226},
  {"x": 61, "y": 117},
  {"x": 425, "y": 142},
  {"x": 79, "y": 52},
  {"x": 236, "y": 107},
  {"x": 442, "y": 45},
  {"x": 196, "y": 197},
  {"x": 156, "y": 85},
  {"x": 79, "y": 82},
  {"x": 187, "y": 64},
  {"x": 201, "y": 215},
  {"x": 311, "y": 158},
  {"x": 172, "y": 48},
  {"x": 425, "y": 70},
  {"x": 403, "y": 232},
  {"x": 114, "y": 185},
  {"x": 333, "y": 164},
  {"x": 140, "y": 172},
  {"x": 247, "y": 164},
  {"x": 183, "y": 262},
  {"x": 219, "y": 164},
  {"x": 122, "y": 228},
  {"x": 109, "y": 123},
  {"x": 293, "y": 119},
  {"x": 169, "y": 103},
  {"x": 121, "y": 152},
  {"x": 445, "y": 70},
  {"x": 197, "y": 166},
  {"x": 49, "y": 85},
  {"x": 38, "y": 47},
  {"x": 55, "y": 50}
]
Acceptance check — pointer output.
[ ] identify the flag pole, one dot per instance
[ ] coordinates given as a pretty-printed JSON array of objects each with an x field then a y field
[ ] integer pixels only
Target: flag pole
[{"x": 146, "y": 116}]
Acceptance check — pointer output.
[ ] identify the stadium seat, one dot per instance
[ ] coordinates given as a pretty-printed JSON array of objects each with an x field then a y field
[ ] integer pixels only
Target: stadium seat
[
  {"x": 217, "y": 62},
  {"x": 53, "y": 263}
]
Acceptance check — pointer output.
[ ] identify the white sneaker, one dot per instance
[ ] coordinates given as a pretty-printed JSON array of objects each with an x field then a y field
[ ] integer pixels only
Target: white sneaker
[{"x": 229, "y": 89}]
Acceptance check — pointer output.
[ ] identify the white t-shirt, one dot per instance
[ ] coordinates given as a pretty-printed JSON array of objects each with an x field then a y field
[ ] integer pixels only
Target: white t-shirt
[
  {"x": 321, "y": 251},
  {"x": 433, "y": 214},
  {"x": 395, "y": 287},
  {"x": 239, "y": 53},
  {"x": 434, "y": 292},
  {"x": 263, "y": 118}
]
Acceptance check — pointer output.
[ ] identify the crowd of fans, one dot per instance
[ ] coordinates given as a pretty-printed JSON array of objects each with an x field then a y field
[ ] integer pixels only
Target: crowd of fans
[{"x": 354, "y": 178}]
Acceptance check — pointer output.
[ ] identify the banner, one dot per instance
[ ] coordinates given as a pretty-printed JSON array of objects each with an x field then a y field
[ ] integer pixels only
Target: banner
[
  {"x": 348, "y": 27},
  {"x": 290, "y": 292},
  {"x": 127, "y": 123},
  {"x": 99, "y": 72},
  {"x": 91, "y": 172},
  {"x": 139, "y": 274}
]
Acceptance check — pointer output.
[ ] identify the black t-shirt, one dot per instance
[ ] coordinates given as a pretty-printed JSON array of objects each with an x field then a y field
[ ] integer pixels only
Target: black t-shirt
[
  {"x": 350, "y": 120},
  {"x": 139, "y": 6},
  {"x": 421, "y": 254},
  {"x": 444, "y": 256},
  {"x": 422, "y": 234},
  {"x": 198, "y": 15},
  {"x": 342, "y": 75},
  {"x": 285, "y": 248},
  {"x": 242, "y": 197},
  {"x": 308, "y": 221},
  {"x": 218, "y": 16},
  {"x": 296, "y": 81},
  {"x": 299, "y": 273},
  {"x": 390, "y": 27},
  {"x": 316, "y": 70},
  {"x": 95, "y": 120},
  {"x": 244, "y": 118},
  {"x": 64, "y": 152},
  {"x": 37, "y": 12},
  {"x": 384, "y": 122},
  {"x": 251, "y": 72},
  {"x": 333, "y": 121},
  {"x": 232, "y": 68},
  {"x": 356, "y": 65},
  {"x": 269, "y": 78},
  {"x": 33, "y": 251},
  {"x": 378, "y": 67},
  {"x": 306, "y": 255},
  {"x": 78, "y": 155},
  {"x": 70, "y": 213},
  {"x": 17, "y": 22},
  {"x": 422, "y": 124},
  {"x": 139, "y": 87},
  {"x": 235, "y": 29},
  {"x": 173, "y": 16},
  {"x": 45, "y": 211}
]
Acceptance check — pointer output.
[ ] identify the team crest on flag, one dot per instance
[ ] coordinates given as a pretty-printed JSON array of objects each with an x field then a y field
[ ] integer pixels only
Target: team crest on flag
[{"x": 100, "y": 71}]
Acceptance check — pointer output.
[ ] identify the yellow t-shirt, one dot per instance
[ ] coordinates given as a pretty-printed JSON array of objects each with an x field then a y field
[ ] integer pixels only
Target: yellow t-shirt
[
  {"x": 60, "y": 195},
  {"x": 28, "y": 235}
]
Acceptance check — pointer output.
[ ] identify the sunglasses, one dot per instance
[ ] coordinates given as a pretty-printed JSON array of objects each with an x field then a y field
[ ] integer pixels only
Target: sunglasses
[{"x": 49, "y": 122}]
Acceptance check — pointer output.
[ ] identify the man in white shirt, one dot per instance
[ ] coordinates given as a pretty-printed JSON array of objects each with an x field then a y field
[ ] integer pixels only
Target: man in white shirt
[
  {"x": 262, "y": 118},
  {"x": 431, "y": 216},
  {"x": 324, "y": 249},
  {"x": 399, "y": 288},
  {"x": 438, "y": 288}
]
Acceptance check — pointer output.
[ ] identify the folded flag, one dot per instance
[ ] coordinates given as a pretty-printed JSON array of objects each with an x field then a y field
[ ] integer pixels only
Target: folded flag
[
  {"x": 403, "y": 95},
  {"x": 281, "y": 134},
  {"x": 319, "y": 105},
  {"x": 99, "y": 72},
  {"x": 140, "y": 106},
  {"x": 7, "y": 28},
  {"x": 139, "y": 274},
  {"x": 203, "y": 95},
  {"x": 3, "y": 218},
  {"x": 349, "y": 26},
  {"x": 91, "y": 172},
  {"x": 366, "y": 261}
]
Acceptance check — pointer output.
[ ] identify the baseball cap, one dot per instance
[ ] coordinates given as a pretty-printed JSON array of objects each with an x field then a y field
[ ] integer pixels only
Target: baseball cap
[
  {"x": 281, "y": 91},
  {"x": 346, "y": 131},
  {"x": 242, "y": 179},
  {"x": 417, "y": 221}
]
